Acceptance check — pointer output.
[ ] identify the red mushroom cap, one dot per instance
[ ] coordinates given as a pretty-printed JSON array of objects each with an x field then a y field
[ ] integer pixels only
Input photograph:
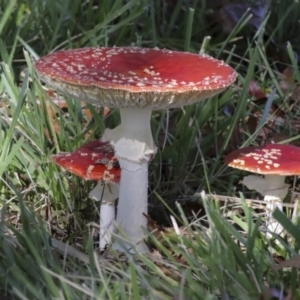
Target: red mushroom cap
[
  {"x": 139, "y": 77},
  {"x": 92, "y": 161},
  {"x": 270, "y": 159}
]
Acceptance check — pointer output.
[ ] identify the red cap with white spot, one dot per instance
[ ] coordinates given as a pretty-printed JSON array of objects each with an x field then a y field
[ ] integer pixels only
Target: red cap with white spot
[
  {"x": 92, "y": 161},
  {"x": 124, "y": 77},
  {"x": 270, "y": 159}
]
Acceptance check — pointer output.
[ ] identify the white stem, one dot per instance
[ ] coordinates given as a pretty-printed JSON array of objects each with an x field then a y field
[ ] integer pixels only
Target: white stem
[
  {"x": 274, "y": 190},
  {"x": 133, "y": 144},
  {"x": 133, "y": 202},
  {"x": 107, "y": 223},
  {"x": 107, "y": 194},
  {"x": 132, "y": 139}
]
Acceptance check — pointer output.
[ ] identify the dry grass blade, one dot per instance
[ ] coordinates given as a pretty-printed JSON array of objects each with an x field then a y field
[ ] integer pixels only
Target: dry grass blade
[
  {"x": 68, "y": 250},
  {"x": 290, "y": 263}
]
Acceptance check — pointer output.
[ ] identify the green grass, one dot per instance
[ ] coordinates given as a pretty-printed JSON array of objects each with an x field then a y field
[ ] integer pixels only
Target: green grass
[{"x": 46, "y": 246}]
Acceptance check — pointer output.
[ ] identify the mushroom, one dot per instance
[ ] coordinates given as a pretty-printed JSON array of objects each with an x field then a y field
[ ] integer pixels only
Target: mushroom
[
  {"x": 275, "y": 161},
  {"x": 96, "y": 161},
  {"x": 137, "y": 81}
]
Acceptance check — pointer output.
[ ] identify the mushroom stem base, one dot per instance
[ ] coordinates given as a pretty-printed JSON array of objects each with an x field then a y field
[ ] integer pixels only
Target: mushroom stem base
[
  {"x": 274, "y": 190},
  {"x": 107, "y": 224},
  {"x": 107, "y": 194},
  {"x": 133, "y": 202}
]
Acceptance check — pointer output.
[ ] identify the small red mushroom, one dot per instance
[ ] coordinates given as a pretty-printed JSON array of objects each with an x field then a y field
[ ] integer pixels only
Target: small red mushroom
[
  {"x": 96, "y": 161},
  {"x": 136, "y": 80},
  {"x": 275, "y": 161}
]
